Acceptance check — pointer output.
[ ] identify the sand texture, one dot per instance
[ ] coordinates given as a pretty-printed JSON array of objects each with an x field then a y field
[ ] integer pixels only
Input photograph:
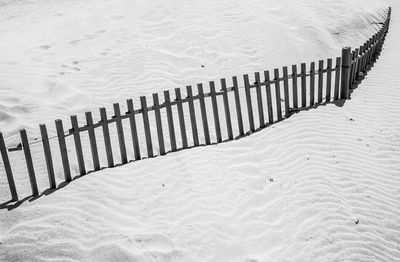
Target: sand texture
[{"x": 323, "y": 185}]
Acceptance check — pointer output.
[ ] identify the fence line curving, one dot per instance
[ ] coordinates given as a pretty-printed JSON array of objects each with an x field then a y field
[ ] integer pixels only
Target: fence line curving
[{"x": 270, "y": 97}]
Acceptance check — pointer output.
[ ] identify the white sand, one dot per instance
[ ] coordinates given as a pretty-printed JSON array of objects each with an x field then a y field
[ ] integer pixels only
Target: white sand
[{"x": 321, "y": 186}]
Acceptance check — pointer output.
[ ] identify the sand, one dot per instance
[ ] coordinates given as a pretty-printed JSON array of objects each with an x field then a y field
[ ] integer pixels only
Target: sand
[{"x": 322, "y": 185}]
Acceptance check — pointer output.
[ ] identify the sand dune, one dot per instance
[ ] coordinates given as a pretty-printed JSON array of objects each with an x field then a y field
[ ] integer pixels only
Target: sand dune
[{"x": 322, "y": 185}]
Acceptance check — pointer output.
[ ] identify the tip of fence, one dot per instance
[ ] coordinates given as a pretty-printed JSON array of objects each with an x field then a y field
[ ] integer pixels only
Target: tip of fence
[{"x": 346, "y": 48}]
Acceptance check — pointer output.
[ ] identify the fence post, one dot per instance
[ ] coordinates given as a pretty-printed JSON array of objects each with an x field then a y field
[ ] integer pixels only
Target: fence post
[
  {"x": 120, "y": 132},
  {"x": 269, "y": 97},
  {"x": 345, "y": 82},
  {"x": 227, "y": 110},
  {"x": 259, "y": 99},
  {"x": 329, "y": 80},
  {"x": 132, "y": 122},
  {"x": 248, "y": 102},
  {"x": 238, "y": 106},
  {"x": 278, "y": 94},
  {"x": 303, "y": 85},
  {"x": 29, "y": 163},
  {"x": 106, "y": 135},
  {"x": 178, "y": 98},
  {"x": 286, "y": 89},
  {"x": 203, "y": 114},
  {"x": 78, "y": 145},
  {"x": 170, "y": 119},
  {"x": 215, "y": 112},
  {"x": 47, "y": 155},
  {"x": 92, "y": 140},
  {"x": 7, "y": 167},
  {"x": 320, "y": 79},
  {"x": 312, "y": 83},
  {"x": 157, "y": 113},
  {"x": 146, "y": 125},
  {"x": 63, "y": 150},
  {"x": 192, "y": 113}
]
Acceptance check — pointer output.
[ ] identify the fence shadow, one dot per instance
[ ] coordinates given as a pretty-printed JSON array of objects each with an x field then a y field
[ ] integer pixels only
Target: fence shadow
[{"x": 341, "y": 80}]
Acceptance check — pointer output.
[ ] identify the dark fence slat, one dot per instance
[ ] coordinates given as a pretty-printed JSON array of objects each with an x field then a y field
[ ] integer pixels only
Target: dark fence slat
[
  {"x": 329, "y": 80},
  {"x": 215, "y": 112},
  {"x": 106, "y": 134},
  {"x": 170, "y": 119},
  {"x": 238, "y": 106},
  {"x": 181, "y": 116},
  {"x": 160, "y": 134},
  {"x": 248, "y": 102},
  {"x": 78, "y": 145},
  {"x": 278, "y": 94},
  {"x": 29, "y": 162},
  {"x": 7, "y": 167},
  {"x": 47, "y": 156},
  {"x": 259, "y": 99},
  {"x": 320, "y": 80},
  {"x": 63, "y": 150},
  {"x": 227, "y": 110},
  {"x": 294, "y": 86},
  {"x": 303, "y": 85},
  {"x": 269, "y": 97},
  {"x": 345, "y": 80},
  {"x": 120, "y": 132},
  {"x": 204, "y": 114},
  {"x": 146, "y": 124},
  {"x": 92, "y": 141},
  {"x": 134, "y": 134},
  {"x": 192, "y": 116},
  {"x": 312, "y": 83},
  {"x": 337, "y": 77},
  {"x": 286, "y": 89}
]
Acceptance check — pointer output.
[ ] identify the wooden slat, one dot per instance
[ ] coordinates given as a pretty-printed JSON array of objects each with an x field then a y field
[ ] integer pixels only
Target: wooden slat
[
  {"x": 320, "y": 80},
  {"x": 303, "y": 85},
  {"x": 329, "y": 80},
  {"x": 146, "y": 124},
  {"x": 345, "y": 79},
  {"x": 269, "y": 97},
  {"x": 215, "y": 112},
  {"x": 312, "y": 83},
  {"x": 63, "y": 150},
  {"x": 120, "y": 133},
  {"x": 78, "y": 145},
  {"x": 29, "y": 162},
  {"x": 192, "y": 116},
  {"x": 159, "y": 124},
  {"x": 226, "y": 109},
  {"x": 92, "y": 141},
  {"x": 7, "y": 167},
  {"x": 47, "y": 156},
  {"x": 337, "y": 77},
  {"x": 106, "y": 134},
  {"x": 278, "y": 94},
  {"x": 248, "y": 102},
  {"x": 238, "y": 106},
  {"x": 171, "y": 126},
  {"x": 181, "y": 116},
  {"x": 204, "y": 114},
  {"x": 134, "y": 134},
  {"x": 294, "y": 86},
  {"x": 286, "y": 89},
  {"x": 259, "y": 99}
]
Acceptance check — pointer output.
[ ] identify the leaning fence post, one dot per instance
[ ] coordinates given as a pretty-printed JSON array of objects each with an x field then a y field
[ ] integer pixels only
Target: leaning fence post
[
  {"x": 29, "y": 162},
  {"x": 78, "y": 145},
  {"x": 346, "y": 62},
  {"x": 106, "y": 135},
  {"x": 7, "y": 167},
  {"x": 120, "y": 132},
  {"x": 146, "y": 125},
  {"x": 47, "y": 155},
  {"x": 63, "y": 150},
  {"x": 92, "y": 140}
]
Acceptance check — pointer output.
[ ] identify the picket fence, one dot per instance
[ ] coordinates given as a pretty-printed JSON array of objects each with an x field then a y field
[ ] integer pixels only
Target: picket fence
[{"x": 309, "y": 88}]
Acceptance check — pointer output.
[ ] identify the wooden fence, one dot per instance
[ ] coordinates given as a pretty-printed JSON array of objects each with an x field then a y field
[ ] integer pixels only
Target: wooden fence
[{"x": 271, "y": 97}]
